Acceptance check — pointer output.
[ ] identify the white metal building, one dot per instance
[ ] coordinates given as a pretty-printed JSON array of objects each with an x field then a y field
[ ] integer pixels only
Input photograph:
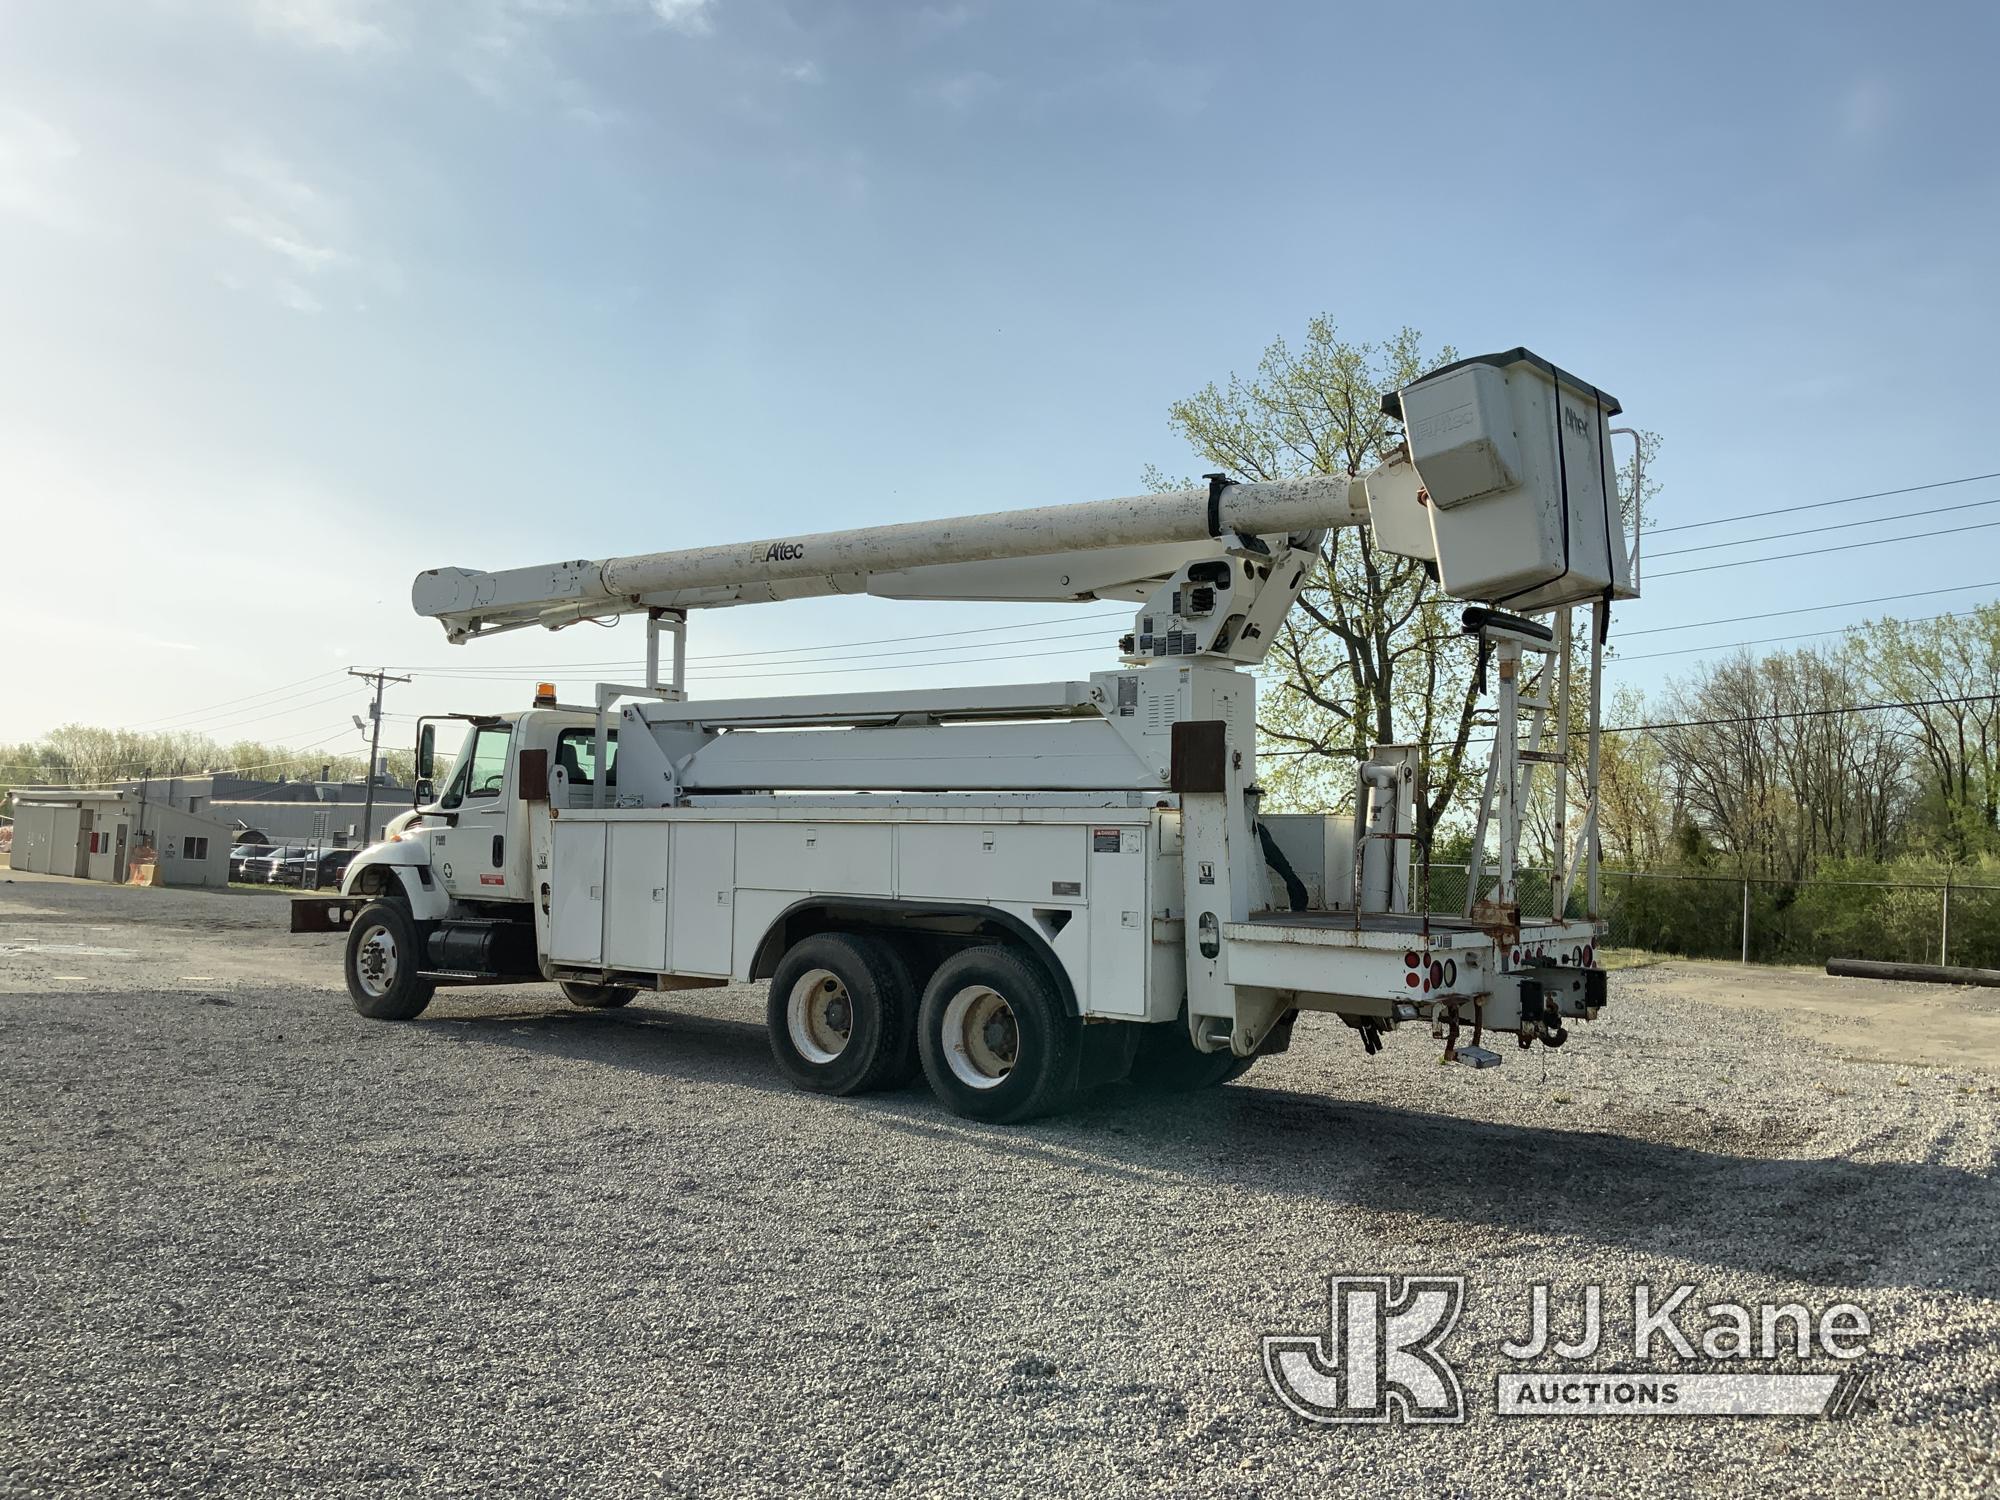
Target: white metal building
[{"x": 102, "y": 834}]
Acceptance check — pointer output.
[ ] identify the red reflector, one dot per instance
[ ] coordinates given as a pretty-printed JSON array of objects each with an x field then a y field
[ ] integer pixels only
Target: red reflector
[
  {"x": 1410, "y": 980},
  {"x": 1410, "y": 959},
  {"x": 1589, "y": 954}
]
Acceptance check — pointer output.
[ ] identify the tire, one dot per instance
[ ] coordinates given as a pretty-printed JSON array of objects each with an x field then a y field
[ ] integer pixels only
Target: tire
[
  {"x": 996, "y": 1041},
  {"x": 596, "y": 996},
  {"x": 905, "y": 1065},
  {"x": 1166, "y": 1062},
  {"x": 384, "y": 949},
  {"x": 841, "y": 1014}
]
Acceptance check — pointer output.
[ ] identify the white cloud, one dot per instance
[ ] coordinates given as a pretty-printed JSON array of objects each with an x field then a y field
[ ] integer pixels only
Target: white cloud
[
  {"x": 959, "y": 91},
  {"x": 689, "y": 16},
  {"x": 301, "y": 238},
  {"x": 502, "y": 48},
  {"x": 36, "y": 161},
  {"x": 337, "y": 25},
  {"x": 802, "y": 72},
  {"x": 296, "y": 297},
  {"x": 933, "y": 21}
]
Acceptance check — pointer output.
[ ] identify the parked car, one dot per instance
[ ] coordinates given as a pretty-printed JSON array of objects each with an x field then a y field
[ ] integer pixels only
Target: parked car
[
  {"x": 266, "y": 868},
  {"x": 329, "y": 866},
  {"x": 308, "y": 868},
  {"x": 242, "y": 854}
]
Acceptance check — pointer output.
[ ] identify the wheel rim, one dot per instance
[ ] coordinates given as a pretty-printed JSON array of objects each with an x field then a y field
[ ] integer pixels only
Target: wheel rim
[
  {"x": 375, "y": 962},
  {"x": 982, "y": 1038},
  {"x": 819, "y": 1015}
]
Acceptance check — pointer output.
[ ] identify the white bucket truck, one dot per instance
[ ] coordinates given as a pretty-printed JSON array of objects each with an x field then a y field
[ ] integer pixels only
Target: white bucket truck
[{"x": 1020, "y": 890}]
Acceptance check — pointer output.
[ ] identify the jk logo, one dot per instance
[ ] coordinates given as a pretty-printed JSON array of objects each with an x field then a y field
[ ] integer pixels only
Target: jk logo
[{"x": 1380, "y": 1356}]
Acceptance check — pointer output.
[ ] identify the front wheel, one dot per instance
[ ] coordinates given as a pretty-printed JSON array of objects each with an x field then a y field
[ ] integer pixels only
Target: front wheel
[
  {"x": 596, "y": 996},
  {"x": 996, "y": 1041},
  {"x": 384, "y": 951}
]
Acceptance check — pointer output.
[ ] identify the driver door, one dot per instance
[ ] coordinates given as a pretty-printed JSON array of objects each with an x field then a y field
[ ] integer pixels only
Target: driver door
[{"x": 471, "y": 855}]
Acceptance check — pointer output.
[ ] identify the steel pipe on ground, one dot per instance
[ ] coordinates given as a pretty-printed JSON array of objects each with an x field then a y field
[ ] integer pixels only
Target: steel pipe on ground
[{"x": 1868, "y": 968}]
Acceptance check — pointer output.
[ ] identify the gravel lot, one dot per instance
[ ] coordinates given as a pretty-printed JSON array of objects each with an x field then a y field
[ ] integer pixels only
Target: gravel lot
[{"x": 254, "y": 1244}]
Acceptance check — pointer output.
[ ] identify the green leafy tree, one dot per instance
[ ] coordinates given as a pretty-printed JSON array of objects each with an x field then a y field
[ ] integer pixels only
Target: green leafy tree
[{"x": 1948, "y": 668}]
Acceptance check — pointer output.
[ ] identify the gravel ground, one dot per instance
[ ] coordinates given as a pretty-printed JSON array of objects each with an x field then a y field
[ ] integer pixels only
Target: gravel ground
[{"x": 254, "y": 1244}]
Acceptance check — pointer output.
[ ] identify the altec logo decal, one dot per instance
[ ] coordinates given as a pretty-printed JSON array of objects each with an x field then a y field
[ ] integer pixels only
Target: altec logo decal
[{"x": 784, "y": 552}]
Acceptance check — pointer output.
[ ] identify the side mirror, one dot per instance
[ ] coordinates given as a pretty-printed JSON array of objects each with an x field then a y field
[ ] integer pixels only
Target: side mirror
[
  {"x": 426, "y": 793},
  {"x": 427, "y": 738}
]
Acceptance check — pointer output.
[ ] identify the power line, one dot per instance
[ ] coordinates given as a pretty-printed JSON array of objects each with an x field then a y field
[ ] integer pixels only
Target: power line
[
  {"x": 1807, "y": 609},
  {"x": 1807, "y": 713},
  {"x": 226, "y": 721},
  {"x": 704, "y": 664},
  {"x": 1787, "y": 510},
  {"x": 276, "y": 713},
  {"x": 1771, "y": 640},
  {"x": 167, "y": 721},
  {"x": 831, "y": 646},
  {"x": 1915, "y": 536},
  {"x": 1783, "y": 536},
  {"x": 1719, "y": 723},
  {"x": 810, "y": 669}
]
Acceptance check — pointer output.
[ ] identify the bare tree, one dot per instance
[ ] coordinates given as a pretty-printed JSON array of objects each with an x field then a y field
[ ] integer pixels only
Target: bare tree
[{"x": 1372, "y": 655}]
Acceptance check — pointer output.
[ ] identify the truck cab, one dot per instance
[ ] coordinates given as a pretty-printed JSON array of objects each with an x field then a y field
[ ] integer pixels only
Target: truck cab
[{"x": 473, "y": 845}]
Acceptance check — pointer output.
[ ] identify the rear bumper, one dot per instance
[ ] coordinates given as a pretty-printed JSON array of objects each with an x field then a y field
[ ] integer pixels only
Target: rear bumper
[{"x": 1388, "y": 969}]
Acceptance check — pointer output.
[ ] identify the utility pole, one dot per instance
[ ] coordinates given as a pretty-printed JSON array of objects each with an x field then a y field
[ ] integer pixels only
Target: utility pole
[{"x": 381, "y": 679}]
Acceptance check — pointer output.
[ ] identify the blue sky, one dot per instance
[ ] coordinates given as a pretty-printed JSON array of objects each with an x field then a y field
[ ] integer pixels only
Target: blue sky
[{"x": 300, "y": 296}]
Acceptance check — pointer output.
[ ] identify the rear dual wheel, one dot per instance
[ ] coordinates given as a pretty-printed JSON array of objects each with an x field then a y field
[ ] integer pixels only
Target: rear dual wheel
[
  {"x": 842, "y": 1014},
  {"x": 991, "y": 1033},
  {"x": 996, "y": 1040}
]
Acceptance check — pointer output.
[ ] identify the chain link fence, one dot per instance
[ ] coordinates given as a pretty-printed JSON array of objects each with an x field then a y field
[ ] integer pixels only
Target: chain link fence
[{"x": 1770, "y": 921}]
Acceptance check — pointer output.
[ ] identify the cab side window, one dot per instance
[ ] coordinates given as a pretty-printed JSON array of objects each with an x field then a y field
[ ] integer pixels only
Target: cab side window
[
  {"x": 489, "y": 761},
  {"x": 482, "y": 767},
  {"x": 576, "y": 753}
]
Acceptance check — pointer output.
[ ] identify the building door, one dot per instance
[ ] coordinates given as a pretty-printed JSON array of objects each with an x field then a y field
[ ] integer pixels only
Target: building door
[{"x": 118, "y": 855}]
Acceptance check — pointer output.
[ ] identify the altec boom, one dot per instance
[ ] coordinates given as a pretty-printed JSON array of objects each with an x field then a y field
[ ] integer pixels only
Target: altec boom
[{"x": 1029, "y": 888}]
